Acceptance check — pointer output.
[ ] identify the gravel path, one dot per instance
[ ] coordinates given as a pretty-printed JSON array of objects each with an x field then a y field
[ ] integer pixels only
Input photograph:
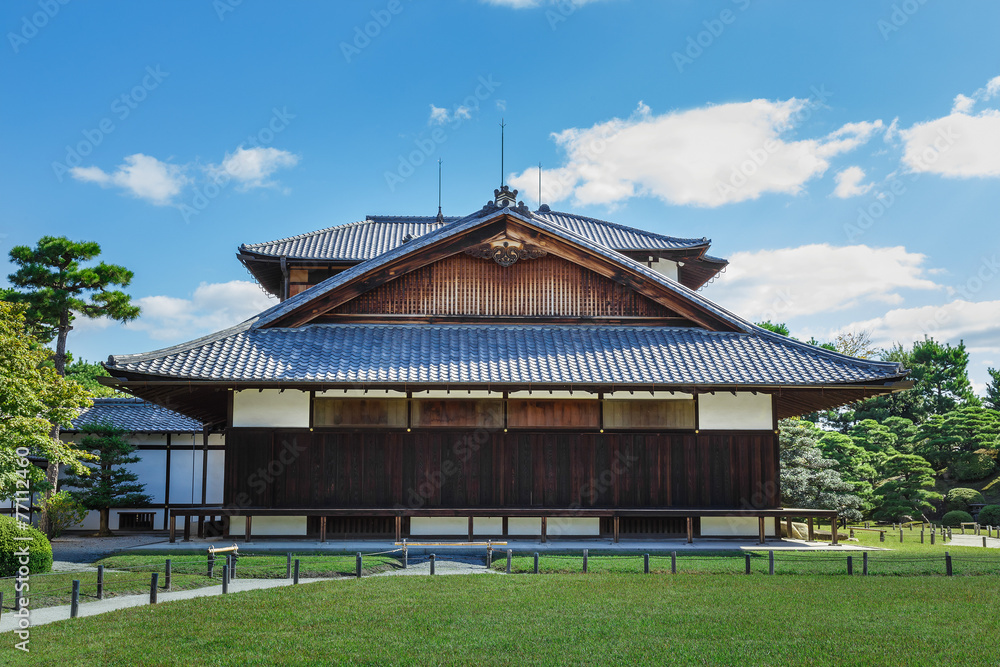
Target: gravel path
[
  {"x": 443, "y": 564},
  {"x": 80, "y": 549}
]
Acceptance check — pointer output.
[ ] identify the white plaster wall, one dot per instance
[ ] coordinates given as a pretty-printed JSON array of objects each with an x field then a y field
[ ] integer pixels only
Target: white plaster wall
[
  {"x": 744, "y": 411},
  {"x": 492, "y": 525},
  {"x": 216, "y": 472},
  {"x": 567, "y": 525},
  {"x": 265, "y": 526},
  {"x": 444, "y": 525},
  {"x": 185, "y": 474},
  {"x": 524, "y": 526},
  {"x": 734, "y": 526},
  {"x": 271, "y": 407},
  {"x": 665, "y": 267},
  {"x": 152, "y": 471}
]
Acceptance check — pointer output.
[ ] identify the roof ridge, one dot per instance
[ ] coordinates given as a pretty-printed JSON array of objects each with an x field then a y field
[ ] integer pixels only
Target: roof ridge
[
  {"x": 114, "y": 360},
  {"x": 618, "y": 225}
]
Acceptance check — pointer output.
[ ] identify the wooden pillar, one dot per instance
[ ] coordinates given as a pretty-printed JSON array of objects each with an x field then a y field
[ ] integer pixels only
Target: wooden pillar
[
  {"x": 173, "y": 527},
  {"x": 399, "y": 528},
  {"x": 545, "y": 529},
  {"x": 187, "y": 528},
  {"x": 204, "y": 466},
  {"x": 246, "y": 534},
  {"x": 777, "y": 527},
  {"x": 201, "y": 524},
  {"x": 322, "y": 529},
  {"x": 833, "y": 530},
  {"x": 812, "y": 535},
  {"x": 470, "y": 528},
  {"x": 615, "y": 521},
  {"x": 690, "y": 529},
  {"x": 503, "y": 523},
  {"x": 760, "y": 529},
  {"x": 788, "y": 526},
  {"x": 166, "y": 487}
]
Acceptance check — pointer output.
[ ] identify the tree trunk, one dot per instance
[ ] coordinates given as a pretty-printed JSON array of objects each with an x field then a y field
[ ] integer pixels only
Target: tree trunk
[
  {"x": 104, "y": 531},
  {"x": 52, "y": 473}
]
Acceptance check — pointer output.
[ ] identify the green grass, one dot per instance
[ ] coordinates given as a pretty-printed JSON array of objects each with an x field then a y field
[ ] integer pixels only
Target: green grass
[
  {"x": 573, "y": 619},
  {"x": 50, "y": 590},
  {"x": 255, "y": 565}
]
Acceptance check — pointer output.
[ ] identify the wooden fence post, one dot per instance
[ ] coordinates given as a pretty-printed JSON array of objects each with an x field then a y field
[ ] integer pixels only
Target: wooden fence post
[
  {"x": 432, "y": 563},
  {"x": 947, "y": 563},
  {"x": 211, "y": 564},
  {"x": 154, "y": 581},
  {"x": 288, "y": 566},
  {"x": 295, "y": 572},
  {"x": 357, "y": 566},
  {"x": 536, "y": 562},
  {"x": 74, "y": 604},
  {"x": 645, "y": 563},
  {"x": 585, "y": 561},
  {"x": 747, "y": 558},
  {"x": 850, "y": 565},
  {"x": 166, "y": 575},
  {"x": 100, "y": 582},
  {"x": 225, "y": 580},
  {"x": 770, "y": 557},
  {"x": 673, "y": 562},
  {"x": 509, "y": 554}
]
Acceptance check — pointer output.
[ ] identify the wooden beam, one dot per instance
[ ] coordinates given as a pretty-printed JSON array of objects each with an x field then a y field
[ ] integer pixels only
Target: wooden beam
[{"x": 690, "y": 530}]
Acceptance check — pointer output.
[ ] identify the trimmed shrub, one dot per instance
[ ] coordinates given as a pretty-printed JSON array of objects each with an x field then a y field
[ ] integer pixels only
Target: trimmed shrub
[
  {"x": 64, "y": 512},
  {"x": 971, "y": 466},
  {"x": 989, "y": 516},
  {"x": 959, "y": 499},
  {"x": 39, "y": 549},
  {"x": 955, "y": 518}
]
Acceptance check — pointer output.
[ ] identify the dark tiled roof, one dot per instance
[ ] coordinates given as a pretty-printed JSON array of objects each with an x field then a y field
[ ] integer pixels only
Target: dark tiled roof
[
  {"x": 359, "y": 241},
  {"x": 499, "y": 354},
  {"x": 480, "y": 217},
  {"x": 135, "y": 415}
]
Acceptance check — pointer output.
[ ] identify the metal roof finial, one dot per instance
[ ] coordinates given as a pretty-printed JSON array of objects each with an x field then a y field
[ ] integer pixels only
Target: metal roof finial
[
  {"x": 440, "y": 216},
  {"x": 502, "y": 126}
]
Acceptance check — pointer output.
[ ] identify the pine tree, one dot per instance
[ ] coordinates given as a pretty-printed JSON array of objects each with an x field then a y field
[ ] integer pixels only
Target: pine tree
[
  {"x": 808, "y": 479},
  {"x": 993, "y": 389},
  {"x": 109, "y": 483},
  {"x": 908, "y": 490}
]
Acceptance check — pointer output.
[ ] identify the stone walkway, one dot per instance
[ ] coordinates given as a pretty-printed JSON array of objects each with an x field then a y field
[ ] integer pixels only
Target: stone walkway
[
  {"x": 46, "y": 615},
  {"x": 959, "y": 540}
]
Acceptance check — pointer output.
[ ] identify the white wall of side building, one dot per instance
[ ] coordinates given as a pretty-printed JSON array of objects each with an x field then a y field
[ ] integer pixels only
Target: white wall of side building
[
  {"x": 271, "y": 407},
  {"x": 266, "y": 526},
  {"x": 665, "y": 267},
  {"x": 734, "y": 526},
  {"x": 746, "y": 411}
]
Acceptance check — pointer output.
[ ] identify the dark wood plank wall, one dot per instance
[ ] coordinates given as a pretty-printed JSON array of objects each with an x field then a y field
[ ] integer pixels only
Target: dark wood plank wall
[
  {"x": 463, "y": 469},
  {"x": 461, "y": 285}
]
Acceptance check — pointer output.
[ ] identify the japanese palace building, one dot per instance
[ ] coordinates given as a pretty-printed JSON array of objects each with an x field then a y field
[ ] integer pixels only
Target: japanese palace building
[{"x": 510, "y": 372}]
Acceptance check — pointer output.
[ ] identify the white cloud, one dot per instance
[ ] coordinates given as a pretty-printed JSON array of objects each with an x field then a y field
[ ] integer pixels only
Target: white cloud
[
  {"x": 849, "y": 183},
  {"x": 963, "y": 144},
  {"x": 439, "y": 115},
  {"x": 975, "y": 322},
  {"x": 252, "y": 167},
  {"x": 781, "y": 284},
  {"x": 708, "y": 156},
  {"x": 212, "y": 307},
  {"x": 142, "y": 176}
]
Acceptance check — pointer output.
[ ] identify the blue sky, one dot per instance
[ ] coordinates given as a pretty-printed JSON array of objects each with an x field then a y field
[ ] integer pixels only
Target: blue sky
[{"x": 844, "y": 156}]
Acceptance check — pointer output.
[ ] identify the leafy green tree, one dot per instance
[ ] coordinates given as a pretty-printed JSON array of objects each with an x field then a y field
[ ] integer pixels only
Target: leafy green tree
[
  {"x": 874, "y": 437},
  {"x": 993, "y": 389},
  {"x": 51, "y": 282},
  {"x": 908, "y": 490},
  {"x": 808, "y": 479},
  {"x": 109, "y": 484},
  {"x": 55, "y": 287},
  {"x": 905, "y": 431},
  {"x": 33, "y": 397},
  {"x": 85, "y": 374},
  {"x": 942, "y": 437},
  {"x": 941, "y": 373},
  {"x": 778, "y": 328}
]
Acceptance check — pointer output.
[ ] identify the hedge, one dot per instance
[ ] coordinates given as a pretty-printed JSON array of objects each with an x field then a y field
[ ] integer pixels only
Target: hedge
[
  {"x": 39, "y": 548},
  {"x": 989, "y": 516},
  {"x": 959, "y": 499},
  {"x": 955, "y": 518}
]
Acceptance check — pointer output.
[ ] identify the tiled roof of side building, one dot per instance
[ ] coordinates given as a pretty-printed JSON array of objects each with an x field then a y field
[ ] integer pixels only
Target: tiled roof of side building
[
  {"x": 135, "y": 415},
  {"x": 359, "y": 241},
  {"x": 504, "y": 354}
]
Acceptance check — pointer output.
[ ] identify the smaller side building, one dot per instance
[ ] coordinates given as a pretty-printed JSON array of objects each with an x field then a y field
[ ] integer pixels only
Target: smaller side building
[{"x": 181, "y": 464}]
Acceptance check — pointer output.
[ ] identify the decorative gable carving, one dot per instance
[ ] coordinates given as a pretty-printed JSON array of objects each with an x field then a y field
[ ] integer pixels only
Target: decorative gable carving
[{"x": 505, "y": 252}]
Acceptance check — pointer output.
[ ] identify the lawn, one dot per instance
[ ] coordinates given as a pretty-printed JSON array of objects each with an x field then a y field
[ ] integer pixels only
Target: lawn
[{"x": 571, "y": 619}]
